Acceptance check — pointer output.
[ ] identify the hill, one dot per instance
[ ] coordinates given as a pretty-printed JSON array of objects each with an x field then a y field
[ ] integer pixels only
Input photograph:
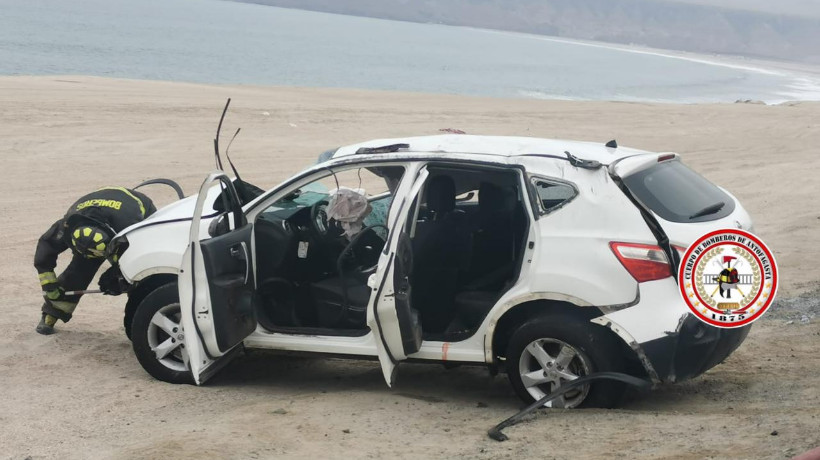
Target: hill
[{"x": 758, "y": 31}]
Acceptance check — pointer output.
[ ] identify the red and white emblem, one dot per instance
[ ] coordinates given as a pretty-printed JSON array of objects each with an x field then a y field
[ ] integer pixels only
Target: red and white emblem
[{"x": 728, "y": 278}]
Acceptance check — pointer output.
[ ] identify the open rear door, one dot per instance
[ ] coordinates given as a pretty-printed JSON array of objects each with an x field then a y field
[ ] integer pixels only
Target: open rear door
[
  {"x": 390, "y": 315},
  {"x": 216, "y": 283}
]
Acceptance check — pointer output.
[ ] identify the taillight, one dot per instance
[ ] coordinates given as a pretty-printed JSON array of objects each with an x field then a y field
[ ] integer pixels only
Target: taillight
[{"x": 643, "y": 261}]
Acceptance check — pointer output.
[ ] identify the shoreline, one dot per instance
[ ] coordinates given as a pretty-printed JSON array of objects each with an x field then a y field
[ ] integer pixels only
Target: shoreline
[
  {"x": 244, "y": 43},
  {"x": 78, "y": 78},
  {"x": 737, "y": 61}
]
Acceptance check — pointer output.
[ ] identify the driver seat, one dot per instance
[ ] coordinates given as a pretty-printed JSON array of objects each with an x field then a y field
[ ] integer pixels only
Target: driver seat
[
  {"x": 332, "y": 310},
  {"x": 341, "y": 301}
]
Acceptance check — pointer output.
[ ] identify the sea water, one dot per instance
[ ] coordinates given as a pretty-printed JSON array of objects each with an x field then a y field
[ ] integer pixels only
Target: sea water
[{"x": 215, "y": 41}]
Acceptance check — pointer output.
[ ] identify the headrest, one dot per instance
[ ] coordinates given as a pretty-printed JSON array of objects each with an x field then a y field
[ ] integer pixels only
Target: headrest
[
  {"x": 441, "y": 194},
  {"x": 492, "y": 198}
]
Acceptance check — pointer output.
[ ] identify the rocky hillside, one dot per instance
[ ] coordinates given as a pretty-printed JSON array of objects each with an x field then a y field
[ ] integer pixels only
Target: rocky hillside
[{"x": 654, "y": 23}]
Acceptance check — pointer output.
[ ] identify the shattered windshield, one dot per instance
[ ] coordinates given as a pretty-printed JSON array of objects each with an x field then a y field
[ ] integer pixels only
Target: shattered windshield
[
  {"x": 305, "y": 196},
  {"x": 375, "y": 184}
]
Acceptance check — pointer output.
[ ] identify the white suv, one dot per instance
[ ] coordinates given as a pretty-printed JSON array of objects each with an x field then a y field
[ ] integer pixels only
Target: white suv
[{"x": 546, "y": 259}]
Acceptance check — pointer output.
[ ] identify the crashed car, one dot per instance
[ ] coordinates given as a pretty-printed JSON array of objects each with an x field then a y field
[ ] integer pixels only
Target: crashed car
[{"x": 545, "y": 259}]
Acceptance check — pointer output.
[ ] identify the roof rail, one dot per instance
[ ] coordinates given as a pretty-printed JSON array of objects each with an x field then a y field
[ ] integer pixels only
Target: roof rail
[{"x": 383, "y": 149}]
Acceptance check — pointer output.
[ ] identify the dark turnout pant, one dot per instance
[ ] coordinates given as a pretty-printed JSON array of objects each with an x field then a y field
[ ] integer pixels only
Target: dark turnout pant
[{"x": 76, "y": 277}]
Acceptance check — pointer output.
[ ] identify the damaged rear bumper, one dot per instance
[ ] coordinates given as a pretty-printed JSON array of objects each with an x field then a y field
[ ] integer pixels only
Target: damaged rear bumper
[
  {"x": 692, "y": 350},
  {"x": 671, "y": 343}
]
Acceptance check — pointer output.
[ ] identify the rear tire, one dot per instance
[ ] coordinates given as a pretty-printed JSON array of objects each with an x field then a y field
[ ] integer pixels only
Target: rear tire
[
  {"x": 586, "y": 348},
  {"x": 154, "y": 327}
]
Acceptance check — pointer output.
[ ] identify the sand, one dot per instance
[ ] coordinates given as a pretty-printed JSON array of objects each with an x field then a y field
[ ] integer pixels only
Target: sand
[{"x": 82, "y": 394}]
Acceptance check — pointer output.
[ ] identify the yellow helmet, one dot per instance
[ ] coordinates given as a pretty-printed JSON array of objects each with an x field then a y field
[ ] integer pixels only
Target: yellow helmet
[{"x": 90, "y": 242}]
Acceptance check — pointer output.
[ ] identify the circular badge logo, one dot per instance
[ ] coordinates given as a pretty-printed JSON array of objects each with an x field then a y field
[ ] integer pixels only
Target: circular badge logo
[{"x": 728, "y": 278}]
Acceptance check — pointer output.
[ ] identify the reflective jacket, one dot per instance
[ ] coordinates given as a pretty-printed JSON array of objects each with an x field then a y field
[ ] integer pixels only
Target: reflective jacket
[{"x": 113, "y": 207}]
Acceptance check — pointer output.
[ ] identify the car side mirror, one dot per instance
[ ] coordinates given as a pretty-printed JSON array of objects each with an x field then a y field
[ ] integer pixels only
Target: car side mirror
[{"x": 220, "y": 225}]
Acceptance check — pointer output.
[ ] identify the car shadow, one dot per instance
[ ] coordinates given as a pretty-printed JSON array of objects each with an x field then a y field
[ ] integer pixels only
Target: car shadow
[
  {"x": 433, "y": 383},
  {"x": 277, "y": 373}
]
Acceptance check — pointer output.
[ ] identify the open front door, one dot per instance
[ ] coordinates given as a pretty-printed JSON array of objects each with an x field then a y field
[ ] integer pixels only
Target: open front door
[
  {"x": 390, "y": 315},
  {"x": 216, "y": 283}
]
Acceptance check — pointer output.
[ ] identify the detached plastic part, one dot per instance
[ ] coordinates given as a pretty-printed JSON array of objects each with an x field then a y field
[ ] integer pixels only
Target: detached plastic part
[
  {"x": 579, "y": 163},
  {"x": 383, "y": 149},
  {"x": 168, "y": 182},
  {"x": 495, "y": 432}
]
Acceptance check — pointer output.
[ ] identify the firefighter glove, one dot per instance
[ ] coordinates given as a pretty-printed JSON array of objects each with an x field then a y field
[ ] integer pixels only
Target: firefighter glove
[
  {"x": 56, "y": 294},
  {"x": 112, "y": 282}
]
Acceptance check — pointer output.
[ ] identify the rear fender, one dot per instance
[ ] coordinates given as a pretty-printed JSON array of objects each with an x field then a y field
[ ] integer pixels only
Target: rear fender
[{"x": 547, "y": 301}]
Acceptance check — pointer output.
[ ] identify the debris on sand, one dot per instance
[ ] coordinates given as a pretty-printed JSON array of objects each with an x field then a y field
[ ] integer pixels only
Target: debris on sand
[{"x": 803, "y": 308}]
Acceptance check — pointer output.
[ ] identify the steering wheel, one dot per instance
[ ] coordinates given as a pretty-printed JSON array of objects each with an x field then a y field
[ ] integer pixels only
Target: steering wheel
[
  {"x": 322, "y": 227},
  {"x": 362, "y": 271}
]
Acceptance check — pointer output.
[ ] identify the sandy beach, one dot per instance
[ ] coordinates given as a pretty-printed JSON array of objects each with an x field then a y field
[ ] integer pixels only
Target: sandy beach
[{"x": 82, "y": 394}]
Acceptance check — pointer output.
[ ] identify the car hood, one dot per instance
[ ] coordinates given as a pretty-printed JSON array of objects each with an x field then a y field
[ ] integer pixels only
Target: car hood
[{"x": 177, "y": 211}]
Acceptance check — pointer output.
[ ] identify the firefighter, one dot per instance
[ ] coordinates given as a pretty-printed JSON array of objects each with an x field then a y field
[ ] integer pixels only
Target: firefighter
[{"x": 87, "y": 229}]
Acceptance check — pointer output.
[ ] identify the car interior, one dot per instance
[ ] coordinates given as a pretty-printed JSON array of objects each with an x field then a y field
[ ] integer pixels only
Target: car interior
[
  {"x": 467, "y": 229},
  {"x": 468, "y": 244}
]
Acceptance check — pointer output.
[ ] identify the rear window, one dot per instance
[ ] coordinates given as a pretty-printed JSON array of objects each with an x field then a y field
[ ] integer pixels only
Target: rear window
[{"x": 678, "y": 194}]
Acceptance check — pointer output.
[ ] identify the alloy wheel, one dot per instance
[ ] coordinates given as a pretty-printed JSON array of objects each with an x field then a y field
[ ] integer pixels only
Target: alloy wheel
[
  {"x": 546, "y": 364},
  {"x": 166, "y": 338}
]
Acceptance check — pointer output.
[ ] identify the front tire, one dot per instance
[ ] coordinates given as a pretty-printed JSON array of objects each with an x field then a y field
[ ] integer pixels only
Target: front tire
[
  {"x": 137, "y": 295},
  {"x": 156, "y": 335},
  {"x": 544, "y": 353}
]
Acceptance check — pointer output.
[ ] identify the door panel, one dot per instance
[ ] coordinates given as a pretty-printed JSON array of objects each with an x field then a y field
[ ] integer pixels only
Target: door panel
[
  {"x": 395, "y": 324},
  {"x": 408, "y": 317},
  {"x": 228, "y": 266},
  {"x": 216, "y": 284}
]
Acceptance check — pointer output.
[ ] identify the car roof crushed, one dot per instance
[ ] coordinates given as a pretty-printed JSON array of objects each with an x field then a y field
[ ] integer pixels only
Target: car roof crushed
[{"x": 500, "y": 146}]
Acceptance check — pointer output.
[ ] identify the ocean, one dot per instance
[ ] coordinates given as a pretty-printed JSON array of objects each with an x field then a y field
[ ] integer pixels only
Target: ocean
[{"x": 216, "y": 41}]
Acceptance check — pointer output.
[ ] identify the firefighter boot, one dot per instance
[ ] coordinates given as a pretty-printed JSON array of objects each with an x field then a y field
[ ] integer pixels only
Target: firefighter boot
[
  {"x": 46, "y": 325},
  {"x": 52, "y": 311}
]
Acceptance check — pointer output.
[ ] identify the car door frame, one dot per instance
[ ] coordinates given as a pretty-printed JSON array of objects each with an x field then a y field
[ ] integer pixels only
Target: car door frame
[
  {"x": 199, "y": 330},
  {"x": 382, "y": 316}
]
